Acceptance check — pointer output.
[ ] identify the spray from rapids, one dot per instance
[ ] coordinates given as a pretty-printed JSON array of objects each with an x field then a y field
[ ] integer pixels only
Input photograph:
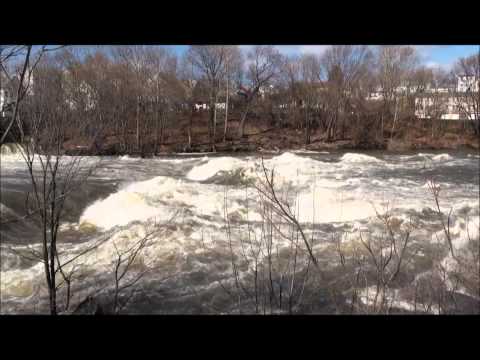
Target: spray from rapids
[{"x": 323, "y": 191}]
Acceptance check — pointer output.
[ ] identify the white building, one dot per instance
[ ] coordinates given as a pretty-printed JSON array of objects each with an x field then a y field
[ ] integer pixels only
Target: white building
[
  {"x": 449, "y": 105},
  {"x": 28, "y": 82},
  {"x": 204, "y": 106},
  {"x": 87, "y": 97},
  {"x": 467, "y": 83},
  {"x": 5, "y": 99},
  {"x": 378, "y": 93},
  {"x": 201, "y": 106},
  {"x": 266, "y": 90},
  {"x": 6, "y": 95},
  {"x": 442, "y": 105}
]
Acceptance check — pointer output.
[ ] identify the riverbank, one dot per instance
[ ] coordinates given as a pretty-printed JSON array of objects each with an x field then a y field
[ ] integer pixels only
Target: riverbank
[
  {"x": 262, "y": 137},
  {"x": 410, "y": 134},
  {"x": 273, "y": 140}
]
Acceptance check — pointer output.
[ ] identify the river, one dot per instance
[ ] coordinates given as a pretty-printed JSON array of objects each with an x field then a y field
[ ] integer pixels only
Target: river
[{"x": 185, "y": 197}]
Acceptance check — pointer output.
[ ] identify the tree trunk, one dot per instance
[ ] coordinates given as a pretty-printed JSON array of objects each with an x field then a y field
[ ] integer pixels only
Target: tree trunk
[
  {"x": 210, "y": 123},
  {"x": 307, "y": 127},
  {"x": 190, "y": 128},
  {"x": 137, "y": 118},
  {"x": 157, "y": 121},
  {"x": 53, "y": 292},
  {"x": 226, "y": 111},
  {"x": 53, "y": 248},
  {"x": 331, "y": 124},
  {"x": 241, "y": 128},
  {"x": 17, "y": 100},
  {"x": 381, "y": 129},
  {"x": 125, "y": 135},
  {"x": 51, "y": 288},
  {"x": 215, "y": 120},
  {"x": 162, "y": 129},
  {"x": 394, "y": 118}
]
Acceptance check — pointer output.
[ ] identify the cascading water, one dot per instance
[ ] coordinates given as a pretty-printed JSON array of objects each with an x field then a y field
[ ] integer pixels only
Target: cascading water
[{"x": 186, "y": 197}]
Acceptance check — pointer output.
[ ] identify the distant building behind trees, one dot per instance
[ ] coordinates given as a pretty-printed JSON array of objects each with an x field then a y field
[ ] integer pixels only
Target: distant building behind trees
[
  {"x": 139, "y": 95},
  {"x": 448, "y": 103}
]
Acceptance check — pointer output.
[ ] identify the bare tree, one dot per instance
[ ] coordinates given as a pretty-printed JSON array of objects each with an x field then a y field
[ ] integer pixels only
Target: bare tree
[
  {"x": 53, "y": 176},
  {"x": 310, "y": 69},
  {"x": 267, "y": 276},
  {"x": 163, "y": 89},
  {"x": 432, "y": 102},
  {"x": 468, "y": 100},
  {"x": 21, "y": 91},
  {"x": 344, "y": 67},
  {"x": 291, "y": 76},
  {"x": 135, "y": 59},
  {"x": 388, "y": 254},
  {"x": 126, "y": 260},
  {"x": 23, "y": 87},
  {"x": 189, "y": 86},
  {"x": 264, "y": 64},
  {"x": 395, "y": 65},
  {"x": 233, "y": 69},
  {"x": 210, "y": 60}
]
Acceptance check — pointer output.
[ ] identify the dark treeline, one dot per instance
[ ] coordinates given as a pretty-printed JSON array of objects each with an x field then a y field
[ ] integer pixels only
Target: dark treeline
[{"x": 147, "y": 99}]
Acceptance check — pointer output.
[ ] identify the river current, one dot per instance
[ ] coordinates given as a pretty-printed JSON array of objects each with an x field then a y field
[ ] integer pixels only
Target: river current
[{"x": 187, "y": 198}]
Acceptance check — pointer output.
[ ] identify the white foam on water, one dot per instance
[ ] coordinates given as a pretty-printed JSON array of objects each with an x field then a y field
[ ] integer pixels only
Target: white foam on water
[
  {"x": 306, "y": 151},
  {"x": 10, "y": 149},
  {"x": 21, "y": 283},
  {"x": 426, "y": 155},
  {"x": 12, "y": 161},
  {"x": 407, "y": 157},
  {"x": 127, "y": 158},
  {"x": 160, "y": 198},
  {"x": 201, "y": 207},
  {"x": 118, "y": 209},
  {"x": 127, "y": 205},
  {"x": 323, "y": 182},
  {"x": 442, "y": 157},
  {"x": 197, "y": 153},
  {"x": 292, "y": 168},
  {"x": 212, "y": 167},
  {"x": 325, "y": 205},
  {"x": 392, "y": 298},
  {"x": 168, "y": 247},
  {"x": 17, "y": 162},
  {"x": 378, "y": 182},
  {"x": 175, "y": 161},
  {"x": 461, "y": 232},
  {"x": 359, "y": 158},
  {"x": 288, "y": 166},
  {"x": 6, "y": 211}
]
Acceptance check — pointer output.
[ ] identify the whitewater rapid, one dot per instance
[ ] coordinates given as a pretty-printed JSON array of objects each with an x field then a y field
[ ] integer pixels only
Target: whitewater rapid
[{"x": 187, "y": 200}]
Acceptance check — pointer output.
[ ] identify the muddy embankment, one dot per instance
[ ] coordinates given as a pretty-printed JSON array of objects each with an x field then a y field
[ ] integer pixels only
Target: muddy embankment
[{"x": 261, "y": 136}]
